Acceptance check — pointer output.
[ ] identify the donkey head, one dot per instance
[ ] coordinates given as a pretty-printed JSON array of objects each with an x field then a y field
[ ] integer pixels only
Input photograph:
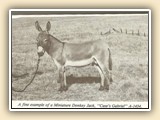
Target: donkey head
[{"x": 43, "y": 39}]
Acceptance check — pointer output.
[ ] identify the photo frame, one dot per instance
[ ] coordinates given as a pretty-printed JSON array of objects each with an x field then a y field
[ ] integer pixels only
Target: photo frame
[{"x": 127, "y": 32}]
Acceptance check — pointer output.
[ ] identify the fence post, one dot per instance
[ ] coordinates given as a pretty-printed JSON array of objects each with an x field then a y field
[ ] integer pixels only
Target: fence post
[
  {"x": 126, "y": 31},
  {"x": 138, "y": 32},
  {"x": 121, "y": 30},
  {"x": 132, "y": 32}
]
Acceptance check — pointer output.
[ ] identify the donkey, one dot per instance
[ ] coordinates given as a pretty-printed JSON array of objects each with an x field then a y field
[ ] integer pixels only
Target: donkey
[{"x": 64, "y": 54}]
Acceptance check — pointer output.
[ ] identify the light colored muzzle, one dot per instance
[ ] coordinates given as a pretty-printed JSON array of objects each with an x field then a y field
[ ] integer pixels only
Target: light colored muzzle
[{"x": 40, "y": 51}]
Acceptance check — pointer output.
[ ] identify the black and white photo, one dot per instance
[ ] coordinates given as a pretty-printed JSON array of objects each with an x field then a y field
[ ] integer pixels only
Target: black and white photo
[{"x": 79, "y": 59}]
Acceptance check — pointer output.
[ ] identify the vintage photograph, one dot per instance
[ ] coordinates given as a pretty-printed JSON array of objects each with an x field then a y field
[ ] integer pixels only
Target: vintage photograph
[{"x": 80, "y": 59}]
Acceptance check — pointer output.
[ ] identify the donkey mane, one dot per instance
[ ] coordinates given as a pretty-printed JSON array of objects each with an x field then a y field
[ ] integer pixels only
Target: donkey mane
[
  {"x": 56, "y": 39},
  {"x": 63, "y": 42}
]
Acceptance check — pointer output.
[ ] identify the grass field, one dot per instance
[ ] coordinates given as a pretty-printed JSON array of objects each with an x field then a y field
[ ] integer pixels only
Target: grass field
[{"x": 129, "y": 54}]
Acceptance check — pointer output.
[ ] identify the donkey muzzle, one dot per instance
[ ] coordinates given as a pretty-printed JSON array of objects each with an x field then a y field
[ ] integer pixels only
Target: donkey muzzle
[{"x": 40, "y": 51}]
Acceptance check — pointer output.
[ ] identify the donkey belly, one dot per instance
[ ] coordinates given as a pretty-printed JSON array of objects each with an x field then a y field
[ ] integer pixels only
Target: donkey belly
[{"x": 79, "y": 63}]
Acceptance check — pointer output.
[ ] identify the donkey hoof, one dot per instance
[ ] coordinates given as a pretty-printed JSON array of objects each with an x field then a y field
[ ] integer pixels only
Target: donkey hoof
[
  {"x": 111, "y": 80},
  {"x": 60, "y": 89},
  {"x": 107, "y": 87},
  {"x": 58, "y": 81},
  {"x": 101, "y": 88},
  {"x": 65, "y": 88}
]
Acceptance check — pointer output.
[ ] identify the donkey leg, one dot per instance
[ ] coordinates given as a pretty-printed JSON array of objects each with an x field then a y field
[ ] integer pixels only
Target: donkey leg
[
  {"x": 102, "y": 77},
  {"x": 106, "y": 68},
  {"x": 61, "y": 83},
  {"x": 65, "y": 81},
  {"x": 59, "y": 71},
  {"x": 105, "y": 72},
  {"x": 106, "y": 82},
  {"x": 61, "y": 78},
  {"x": 107, "y": 77}
]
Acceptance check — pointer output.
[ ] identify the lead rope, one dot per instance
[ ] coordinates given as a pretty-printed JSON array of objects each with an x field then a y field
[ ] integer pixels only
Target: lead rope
[{"x": 22, "y": 90}]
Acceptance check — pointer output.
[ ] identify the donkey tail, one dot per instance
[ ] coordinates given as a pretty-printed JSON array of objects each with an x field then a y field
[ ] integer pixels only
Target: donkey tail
[{"x": 110, "y": 60}]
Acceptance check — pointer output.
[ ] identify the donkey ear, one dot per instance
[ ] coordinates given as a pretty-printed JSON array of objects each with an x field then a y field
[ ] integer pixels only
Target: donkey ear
[
  {"x": 48, "y": 26},
  {"x": 38, "y": 26}
]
